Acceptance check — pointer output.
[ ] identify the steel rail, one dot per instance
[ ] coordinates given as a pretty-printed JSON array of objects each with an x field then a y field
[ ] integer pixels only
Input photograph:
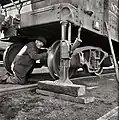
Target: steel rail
[
  {"x": 89, "y": 77},
  {"x": 20, "y": 87},
  {"x": 34, "y": 86}
]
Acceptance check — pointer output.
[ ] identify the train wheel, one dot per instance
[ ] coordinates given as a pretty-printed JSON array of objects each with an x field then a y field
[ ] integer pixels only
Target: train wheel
[
  {"x": 54, "y": 61},
  {"x": 50, "y": 61},
  {"x": 10, "y": 54}
]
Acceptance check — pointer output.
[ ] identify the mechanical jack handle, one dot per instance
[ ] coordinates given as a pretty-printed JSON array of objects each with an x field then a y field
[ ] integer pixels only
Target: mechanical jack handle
[{"x": 112, "y": 52}]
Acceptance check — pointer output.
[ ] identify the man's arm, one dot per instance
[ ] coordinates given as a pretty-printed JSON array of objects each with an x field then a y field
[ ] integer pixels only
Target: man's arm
[{"x": 32, "y": 51}]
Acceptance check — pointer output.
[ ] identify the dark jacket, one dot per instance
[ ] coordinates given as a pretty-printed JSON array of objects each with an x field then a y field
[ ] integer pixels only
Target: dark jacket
[{"x": 24, "y": 62}]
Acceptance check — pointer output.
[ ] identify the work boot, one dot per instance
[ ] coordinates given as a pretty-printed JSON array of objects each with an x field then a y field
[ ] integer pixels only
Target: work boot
[{"x": 4, "y": 78}]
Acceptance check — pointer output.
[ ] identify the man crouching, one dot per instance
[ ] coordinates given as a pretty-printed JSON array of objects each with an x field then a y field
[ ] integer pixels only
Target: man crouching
[{"x": 24, "y": 61}]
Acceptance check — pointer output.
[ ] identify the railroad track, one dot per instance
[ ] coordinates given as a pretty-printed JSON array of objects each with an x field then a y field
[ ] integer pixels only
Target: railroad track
[{"x": 78, "y": 79}]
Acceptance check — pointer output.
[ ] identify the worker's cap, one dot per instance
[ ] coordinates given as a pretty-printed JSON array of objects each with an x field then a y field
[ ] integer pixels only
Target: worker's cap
[{"x": 41, "y": 39}]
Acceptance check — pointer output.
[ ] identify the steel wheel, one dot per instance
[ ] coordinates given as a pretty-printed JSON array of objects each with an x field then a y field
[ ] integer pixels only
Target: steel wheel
[
  {"x": 10, "y": 54},
  {"x": 54, "y": 61},
  {"x": 50, "y": 61}
]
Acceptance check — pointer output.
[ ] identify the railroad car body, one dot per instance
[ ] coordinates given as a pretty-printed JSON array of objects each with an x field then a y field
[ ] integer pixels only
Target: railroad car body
[{"x": 74, "y": 29}]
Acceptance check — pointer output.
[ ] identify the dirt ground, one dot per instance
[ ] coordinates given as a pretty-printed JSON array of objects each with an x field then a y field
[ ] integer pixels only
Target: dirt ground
[{"x": 27, "y": 105}]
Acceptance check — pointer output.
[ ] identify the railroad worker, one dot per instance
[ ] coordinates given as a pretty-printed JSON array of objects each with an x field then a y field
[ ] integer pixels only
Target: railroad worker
[{"x": 24, "y": 61}]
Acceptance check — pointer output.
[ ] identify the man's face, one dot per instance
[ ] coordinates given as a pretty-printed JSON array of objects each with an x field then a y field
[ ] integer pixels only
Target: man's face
[{"x": 39, "y": 44}]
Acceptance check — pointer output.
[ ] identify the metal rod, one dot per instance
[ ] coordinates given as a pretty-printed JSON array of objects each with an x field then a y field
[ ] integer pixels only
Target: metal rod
[
  {"x": 62, "y": 61},
  {"x": 69, "y": 33},
  {"x": 63, "y": 35},
  {"x": 113, "y": 54},
  {"x": 64, "y": 67}
]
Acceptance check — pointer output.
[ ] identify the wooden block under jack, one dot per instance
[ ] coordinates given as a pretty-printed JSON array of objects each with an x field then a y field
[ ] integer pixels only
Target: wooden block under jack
[
  {"x": 62, "y": 88},
  {"x": 80, "y": 99}
]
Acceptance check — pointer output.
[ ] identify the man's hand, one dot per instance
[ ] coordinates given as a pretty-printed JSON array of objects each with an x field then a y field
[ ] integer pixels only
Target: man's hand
[{"x": 43, "y": 59}]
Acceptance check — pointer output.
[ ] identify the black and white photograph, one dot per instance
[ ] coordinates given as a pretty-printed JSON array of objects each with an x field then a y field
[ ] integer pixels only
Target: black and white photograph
[{"x": 59, "y": 59}]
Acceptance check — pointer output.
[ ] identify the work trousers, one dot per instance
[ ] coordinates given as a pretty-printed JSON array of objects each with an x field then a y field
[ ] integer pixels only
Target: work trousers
[{"x": 15, "y": 79}]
